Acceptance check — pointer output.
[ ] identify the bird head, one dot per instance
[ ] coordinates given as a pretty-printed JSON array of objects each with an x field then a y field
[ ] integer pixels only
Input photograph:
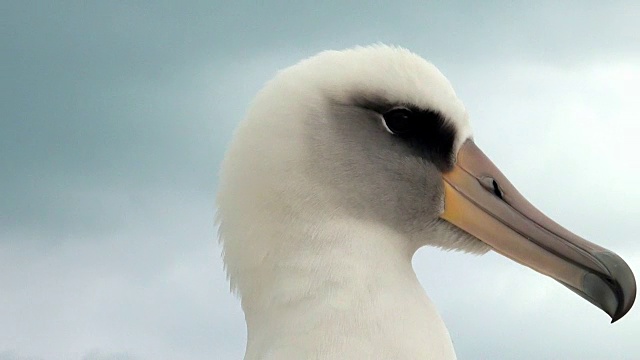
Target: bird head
[{"x": 377, "y": 134}]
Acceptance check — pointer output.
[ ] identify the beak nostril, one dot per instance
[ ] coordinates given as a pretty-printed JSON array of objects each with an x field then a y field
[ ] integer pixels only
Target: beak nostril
[
  {"x": 491, "y": 185},
  {"x": 496, "y": 189}
]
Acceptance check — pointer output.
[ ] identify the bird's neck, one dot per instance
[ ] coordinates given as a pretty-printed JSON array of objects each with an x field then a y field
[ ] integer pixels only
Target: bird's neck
[{"x": 341, "y": 290}]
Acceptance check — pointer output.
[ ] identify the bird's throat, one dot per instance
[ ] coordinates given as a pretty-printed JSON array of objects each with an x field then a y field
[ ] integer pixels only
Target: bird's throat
[{"x": 343, "y": 290}]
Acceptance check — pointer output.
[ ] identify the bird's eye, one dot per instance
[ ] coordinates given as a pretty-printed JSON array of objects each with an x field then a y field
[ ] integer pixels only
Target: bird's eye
[{"x": 398, "y": 121}]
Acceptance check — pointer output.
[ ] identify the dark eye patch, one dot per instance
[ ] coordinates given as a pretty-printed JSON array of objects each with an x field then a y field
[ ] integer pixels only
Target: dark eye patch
[{"x": 426, "y": 131}]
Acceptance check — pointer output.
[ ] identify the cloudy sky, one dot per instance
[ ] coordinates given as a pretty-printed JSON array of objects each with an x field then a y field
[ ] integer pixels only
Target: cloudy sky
[{"x": 115, "y": 117}]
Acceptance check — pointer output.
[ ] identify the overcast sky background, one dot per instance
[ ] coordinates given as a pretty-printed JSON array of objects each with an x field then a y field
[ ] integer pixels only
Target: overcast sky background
[{"x": 115, "y": 115}]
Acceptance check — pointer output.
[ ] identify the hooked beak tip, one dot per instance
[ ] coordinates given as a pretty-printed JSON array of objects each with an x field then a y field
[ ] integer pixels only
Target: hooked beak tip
[
  {"x": 623, "y": 284},
  {"x": 615, "y": 292}
]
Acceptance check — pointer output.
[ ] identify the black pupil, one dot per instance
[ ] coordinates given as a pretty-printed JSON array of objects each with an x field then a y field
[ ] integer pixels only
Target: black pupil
[{"x": 398, "y": 120}]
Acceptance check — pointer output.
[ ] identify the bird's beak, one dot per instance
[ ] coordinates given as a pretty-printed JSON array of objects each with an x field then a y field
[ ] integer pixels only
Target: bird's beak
[{"x": 481, "y": 201}]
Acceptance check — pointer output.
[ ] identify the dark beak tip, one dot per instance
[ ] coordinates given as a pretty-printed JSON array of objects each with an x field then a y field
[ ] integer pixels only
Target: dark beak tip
[
  {"x": 622, "y": 285},
  {"x": 613, "y": 291},
  {"x": 625, "y": 305},
  {"x": 616, "y": 318}
]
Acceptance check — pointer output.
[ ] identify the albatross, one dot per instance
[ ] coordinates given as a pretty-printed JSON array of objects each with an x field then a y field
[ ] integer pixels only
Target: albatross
[{"x": 346, "y": 164}]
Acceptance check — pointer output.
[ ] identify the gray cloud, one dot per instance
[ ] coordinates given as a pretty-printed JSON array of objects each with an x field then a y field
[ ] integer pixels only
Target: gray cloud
[{"x": 115, "y": 118}]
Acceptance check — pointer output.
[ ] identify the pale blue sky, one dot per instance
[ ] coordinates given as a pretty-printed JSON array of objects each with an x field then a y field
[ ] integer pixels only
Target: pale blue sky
[{"x": 115, "y": 117}]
